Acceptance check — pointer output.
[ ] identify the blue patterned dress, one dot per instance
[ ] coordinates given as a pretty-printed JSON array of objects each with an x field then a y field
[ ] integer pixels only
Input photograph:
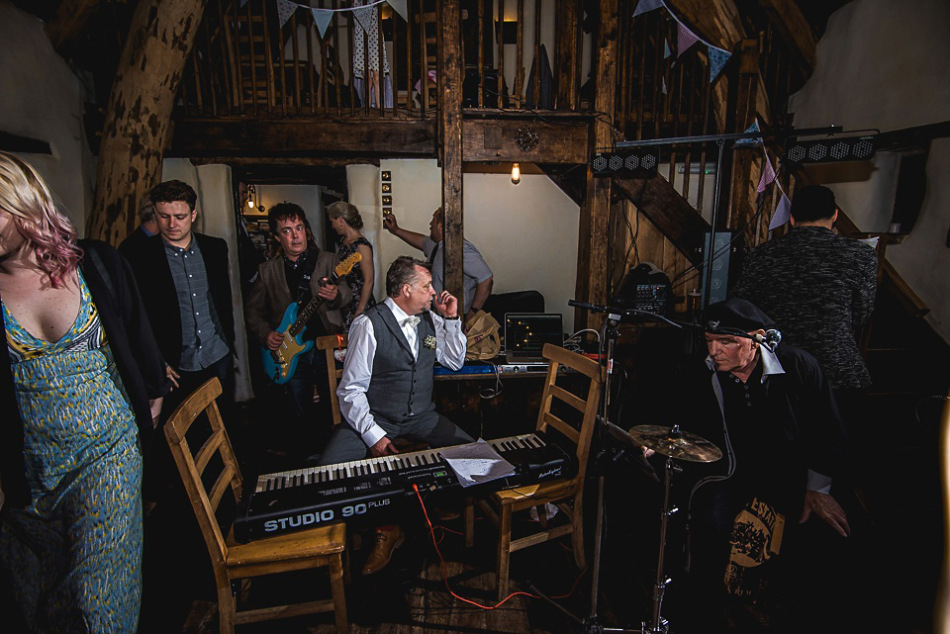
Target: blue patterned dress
[{"x": 76, "y": 550}]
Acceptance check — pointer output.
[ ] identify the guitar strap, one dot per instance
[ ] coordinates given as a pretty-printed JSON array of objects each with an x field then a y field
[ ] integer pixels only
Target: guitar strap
[{"x": 303, "y": 288}]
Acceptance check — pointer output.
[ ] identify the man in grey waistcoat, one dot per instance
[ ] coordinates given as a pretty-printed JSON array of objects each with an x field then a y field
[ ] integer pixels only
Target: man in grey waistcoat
[{"x": 386, "y": 388}]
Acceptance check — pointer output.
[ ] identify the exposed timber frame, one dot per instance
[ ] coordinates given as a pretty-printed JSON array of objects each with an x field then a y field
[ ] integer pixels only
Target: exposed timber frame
[{"x": 139, "y": 111}]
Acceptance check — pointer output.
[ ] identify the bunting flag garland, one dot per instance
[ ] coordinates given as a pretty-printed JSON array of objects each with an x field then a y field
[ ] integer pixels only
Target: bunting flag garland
[
  {"x": 645, "y": 6},
  {"x": 684, "y": 38},
  {"x": 768, "y": 174},
  {"x": 399, "y": 6},
  {"x": 783, "y": 212},
  {"x": 322, "y": 18},
  {"x": 666, "y": 49},
  {"x": 364, "y": 15},
  {"x": 752, "y": 141},
  {"x": 717, "y": 59},
  {"x": 285, "y": 9}
]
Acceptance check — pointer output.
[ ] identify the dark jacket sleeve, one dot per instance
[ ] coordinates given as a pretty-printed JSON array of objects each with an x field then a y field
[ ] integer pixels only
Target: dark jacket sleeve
[
  {"x": 822, "y": 434},
  {"x": 127, "y": 326}
]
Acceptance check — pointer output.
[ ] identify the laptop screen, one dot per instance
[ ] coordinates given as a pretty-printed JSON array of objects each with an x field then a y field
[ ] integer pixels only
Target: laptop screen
[{"x": 526, "y": 333}]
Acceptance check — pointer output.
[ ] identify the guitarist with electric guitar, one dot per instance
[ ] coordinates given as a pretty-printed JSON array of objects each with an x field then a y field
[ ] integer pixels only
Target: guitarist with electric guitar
[{"x": 296, "y": 297}]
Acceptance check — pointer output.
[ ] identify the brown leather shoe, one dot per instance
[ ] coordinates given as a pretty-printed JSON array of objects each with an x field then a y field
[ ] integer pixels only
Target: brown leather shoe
[{"x": 387, "y": 540}]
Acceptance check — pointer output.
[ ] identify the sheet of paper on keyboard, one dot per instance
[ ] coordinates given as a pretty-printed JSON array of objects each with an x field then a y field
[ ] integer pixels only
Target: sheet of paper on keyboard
[{"x": 476, "y": 462}]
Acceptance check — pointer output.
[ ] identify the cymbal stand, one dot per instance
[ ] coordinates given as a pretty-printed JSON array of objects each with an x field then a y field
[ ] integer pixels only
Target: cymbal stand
[{"x": 591, "y": 624}]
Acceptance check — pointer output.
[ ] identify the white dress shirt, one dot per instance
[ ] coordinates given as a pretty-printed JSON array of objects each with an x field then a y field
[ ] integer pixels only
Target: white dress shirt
[{"x": 361, "y": 350}]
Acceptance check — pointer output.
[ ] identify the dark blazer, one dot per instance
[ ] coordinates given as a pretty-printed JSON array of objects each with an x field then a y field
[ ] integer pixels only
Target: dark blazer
[
  {"x": 269, "y": 297},
  {"x": 137, "y": 357},
  {"x": 133, "y": 242},
  {"x": 161, "y": 301}
]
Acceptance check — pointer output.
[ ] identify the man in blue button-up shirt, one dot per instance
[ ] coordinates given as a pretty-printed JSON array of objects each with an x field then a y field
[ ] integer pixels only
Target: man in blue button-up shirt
[{"x": 185, "y": 287}]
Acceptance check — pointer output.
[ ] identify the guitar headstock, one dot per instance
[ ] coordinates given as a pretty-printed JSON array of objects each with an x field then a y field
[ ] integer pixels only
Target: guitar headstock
[{"x": 346, "y": 264}]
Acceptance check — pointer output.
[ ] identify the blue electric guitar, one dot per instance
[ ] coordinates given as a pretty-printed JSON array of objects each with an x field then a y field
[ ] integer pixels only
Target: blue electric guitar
[{"x": 280, "y": 364}]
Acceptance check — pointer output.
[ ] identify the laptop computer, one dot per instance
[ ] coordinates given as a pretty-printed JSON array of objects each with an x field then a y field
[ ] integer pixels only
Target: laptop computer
[{"x": 526, "y": 334}]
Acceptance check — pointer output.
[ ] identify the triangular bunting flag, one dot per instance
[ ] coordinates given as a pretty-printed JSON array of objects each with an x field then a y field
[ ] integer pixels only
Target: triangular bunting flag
[
  {"x": 645, "y": 6},
  {"x": 752, "y": 141},
  {"x": 685, "y": 39},
  {"x": 364, "y": 17},
  {"x": 285, "y": 9},
  {"x": 322, "y": 18},
  {"x": 666, "y": 49},
  {"x": 768, "y": 174},
  {"x": 399, "y": 6},
  {"x": 782, "y": 213},
  {"x": 243, "y": 2},
  {"x": 663, "y": 79},
  {"x": 717, "y": 59}
]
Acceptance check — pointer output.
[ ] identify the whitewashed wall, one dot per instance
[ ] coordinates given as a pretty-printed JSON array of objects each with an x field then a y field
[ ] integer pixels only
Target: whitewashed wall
[
  {"x": 883, "y": 64},
  {"x": 307, "y": 196},
  {"x": 42, "y": 99},
  {"x": 526, "y": 232}
]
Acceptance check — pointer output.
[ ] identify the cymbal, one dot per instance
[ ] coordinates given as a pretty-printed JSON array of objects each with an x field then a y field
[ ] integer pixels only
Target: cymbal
[{"x": 672, "y": 442}]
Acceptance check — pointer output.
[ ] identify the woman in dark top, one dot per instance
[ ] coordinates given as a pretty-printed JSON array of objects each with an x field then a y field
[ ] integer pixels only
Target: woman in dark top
[
  {"x": 345, "y": 220},
  {"x": 81, "y": 374}
]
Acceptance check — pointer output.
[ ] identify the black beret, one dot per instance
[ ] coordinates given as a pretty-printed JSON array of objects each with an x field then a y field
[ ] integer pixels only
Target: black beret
[{"x": 736, "y": 315}]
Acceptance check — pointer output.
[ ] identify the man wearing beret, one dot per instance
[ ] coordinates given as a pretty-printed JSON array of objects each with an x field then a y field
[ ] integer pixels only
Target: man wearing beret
[{"x": 771, "y": 411}]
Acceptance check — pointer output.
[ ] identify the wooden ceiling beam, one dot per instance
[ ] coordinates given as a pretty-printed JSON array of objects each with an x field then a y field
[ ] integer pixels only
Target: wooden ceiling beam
[
  {"x": 788, "y": 18},
  {"x": 303, "y": 138},
  {"x": 71, "y": 19}
]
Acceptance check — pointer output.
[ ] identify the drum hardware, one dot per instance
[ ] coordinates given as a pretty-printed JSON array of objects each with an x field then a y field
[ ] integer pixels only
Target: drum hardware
[{"x": 673, "y": 443}]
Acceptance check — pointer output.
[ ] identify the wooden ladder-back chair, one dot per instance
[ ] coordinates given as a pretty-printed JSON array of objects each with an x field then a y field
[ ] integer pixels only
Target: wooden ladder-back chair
[
  {"x": 566, "y": 494},
  {"x": 232, "y": 562},
  {"x": 329, "y": 343}
]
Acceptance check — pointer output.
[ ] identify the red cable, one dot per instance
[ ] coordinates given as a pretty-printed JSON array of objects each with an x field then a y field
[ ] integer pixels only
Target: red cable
[{"x": 445, "y": 577}]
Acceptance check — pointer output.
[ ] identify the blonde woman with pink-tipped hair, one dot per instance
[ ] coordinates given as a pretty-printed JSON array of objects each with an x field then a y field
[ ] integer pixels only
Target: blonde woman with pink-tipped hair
[{"x": 81, "y": 374}]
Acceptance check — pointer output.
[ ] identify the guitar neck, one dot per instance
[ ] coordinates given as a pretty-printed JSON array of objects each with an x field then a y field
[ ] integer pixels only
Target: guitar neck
[{"x": 305, "y": 313}]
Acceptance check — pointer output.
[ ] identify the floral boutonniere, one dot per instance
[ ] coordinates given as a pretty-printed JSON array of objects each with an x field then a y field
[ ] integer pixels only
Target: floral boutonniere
[{"x": 429, "y": 342}]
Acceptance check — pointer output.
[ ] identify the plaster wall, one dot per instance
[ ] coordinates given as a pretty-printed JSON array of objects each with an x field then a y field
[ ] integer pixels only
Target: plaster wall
[
  {"x": 43, "y": 99},
  {"x": 307, "y": 196},
  {"x": 882, "y": 64},
  {"x": 527, "y": 232}
]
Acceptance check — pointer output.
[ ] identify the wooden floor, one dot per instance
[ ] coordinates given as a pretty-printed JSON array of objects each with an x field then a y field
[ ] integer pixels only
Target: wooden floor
[{"x": 417, "y": 592}]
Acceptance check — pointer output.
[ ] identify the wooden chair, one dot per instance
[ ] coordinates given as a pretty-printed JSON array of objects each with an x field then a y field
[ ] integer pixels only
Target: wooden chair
[
  {"x": 214, "y": 462},
  {"x": 566, "y": 494},
  {"x": 328, "y": 344}
]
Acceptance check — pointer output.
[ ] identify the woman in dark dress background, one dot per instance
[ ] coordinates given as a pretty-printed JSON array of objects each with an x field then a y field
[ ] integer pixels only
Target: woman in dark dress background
[{"x": 346, "y": 221}]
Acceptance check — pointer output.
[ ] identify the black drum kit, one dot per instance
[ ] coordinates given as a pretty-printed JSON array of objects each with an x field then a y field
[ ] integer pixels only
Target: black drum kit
[
  {"x": 675, "y": 444},
  {"x": 671, "y": 442}
]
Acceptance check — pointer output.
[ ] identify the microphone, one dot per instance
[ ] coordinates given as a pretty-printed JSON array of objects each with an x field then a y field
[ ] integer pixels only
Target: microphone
[{"x": 770, "y": 339}]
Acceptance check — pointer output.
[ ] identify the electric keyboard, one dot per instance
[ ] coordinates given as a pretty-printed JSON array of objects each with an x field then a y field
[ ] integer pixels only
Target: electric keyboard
[{"x": 298, "y": 499}]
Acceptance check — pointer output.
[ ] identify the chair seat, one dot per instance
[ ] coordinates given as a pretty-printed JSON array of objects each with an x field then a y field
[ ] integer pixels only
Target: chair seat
[
  {"x": 315, "y": 542},
  {"x": 535, "y": 494}
]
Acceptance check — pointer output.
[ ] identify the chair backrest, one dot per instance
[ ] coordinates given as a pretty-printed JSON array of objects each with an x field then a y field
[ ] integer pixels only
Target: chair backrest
[
  {"x": 192, "y": 465},
  {"x": 587, "y": 404},
  {"x": 328, "y": 344}
]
